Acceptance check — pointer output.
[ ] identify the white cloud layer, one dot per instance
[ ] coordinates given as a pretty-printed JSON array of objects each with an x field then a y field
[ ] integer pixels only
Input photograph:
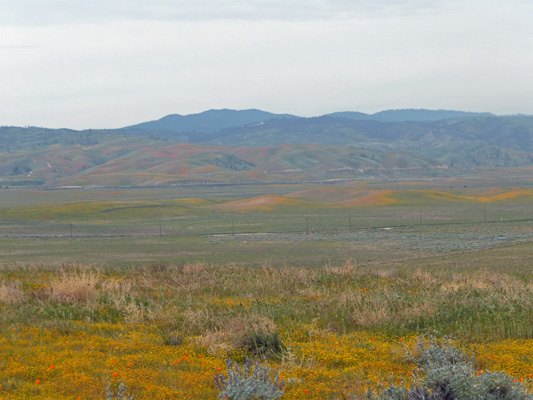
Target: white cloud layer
[
  {"x": 43, "y": 12},
  {"x": 113, "y": 63}
]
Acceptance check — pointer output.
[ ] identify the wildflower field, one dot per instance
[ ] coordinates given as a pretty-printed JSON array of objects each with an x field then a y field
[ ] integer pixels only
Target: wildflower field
[
  {"x": 329, "y": 333},
  {"x": 333, "y": 313}
]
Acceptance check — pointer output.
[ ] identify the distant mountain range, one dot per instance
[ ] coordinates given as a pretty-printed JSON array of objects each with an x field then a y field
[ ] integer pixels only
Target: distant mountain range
[
  {"x": 254, "y": 145},
  {"x": 216, "y": 120},
  {"x": 208, "y": 121},
  {"x": 450, "y": 137},
  {"x": 412, "y": 115}
]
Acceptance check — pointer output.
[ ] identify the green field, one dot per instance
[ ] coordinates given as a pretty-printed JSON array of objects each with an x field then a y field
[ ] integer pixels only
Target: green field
[{"x": 304, "y": 224}]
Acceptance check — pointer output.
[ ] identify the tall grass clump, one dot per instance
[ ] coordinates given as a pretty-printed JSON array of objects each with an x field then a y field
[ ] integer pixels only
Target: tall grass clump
[
  {"x": 249, "y": 332},
  {"x": 11, "y": 293},
  {"x": 74, "y": 286}
]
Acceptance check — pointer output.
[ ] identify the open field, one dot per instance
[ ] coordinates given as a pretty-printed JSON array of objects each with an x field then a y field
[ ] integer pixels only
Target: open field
[
  {"x": 304, "y": 224},
  {"x": 332, "y": 283}
]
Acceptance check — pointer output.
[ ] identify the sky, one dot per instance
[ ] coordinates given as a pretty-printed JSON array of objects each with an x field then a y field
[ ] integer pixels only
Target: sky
[{"x": 111, "y": 63}]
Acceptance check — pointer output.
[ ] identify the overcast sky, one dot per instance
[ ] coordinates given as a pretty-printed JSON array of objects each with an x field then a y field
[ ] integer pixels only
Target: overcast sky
[{"x": 111, "y": 63}]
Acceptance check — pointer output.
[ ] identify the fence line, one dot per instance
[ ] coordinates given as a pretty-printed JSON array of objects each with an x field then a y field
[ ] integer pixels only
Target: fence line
[{"x": 238, "y": 225}]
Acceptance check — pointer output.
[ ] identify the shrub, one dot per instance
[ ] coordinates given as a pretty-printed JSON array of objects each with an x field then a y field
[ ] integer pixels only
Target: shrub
[
  {"x": 259, "y": 337},
  {"x": 119, "y": 394},
  {"x": 249, "y": 382},
  {"x": 443, "y": 373},
  {"x": 251, "y": 333}
]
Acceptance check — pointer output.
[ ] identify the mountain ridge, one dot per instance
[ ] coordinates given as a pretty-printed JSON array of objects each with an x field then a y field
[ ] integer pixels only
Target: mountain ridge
[
  {"x": 208, "y": 121},
  {"x": 214, "y": 120},
  {"x": 279, "y": 147}
]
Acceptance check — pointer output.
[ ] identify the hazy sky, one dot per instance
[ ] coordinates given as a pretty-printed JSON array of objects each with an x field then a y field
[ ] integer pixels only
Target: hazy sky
[{"x": 111, "y": 63}]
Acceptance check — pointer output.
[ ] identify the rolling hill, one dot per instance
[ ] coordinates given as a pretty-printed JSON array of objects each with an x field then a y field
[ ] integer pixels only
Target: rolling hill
[
  {"x": 468, "y": 142},
  {"x": 255, "y": 146},
  {"x": 125, "y": 161}
]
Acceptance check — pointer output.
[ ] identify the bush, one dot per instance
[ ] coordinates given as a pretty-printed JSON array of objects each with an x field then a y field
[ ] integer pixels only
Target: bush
[
  {"x": 262, "y": 343},
  {"x": 249, "y": 382},
  {"x": 444, "y": 373},
  {"x": 119, "y": 394}
]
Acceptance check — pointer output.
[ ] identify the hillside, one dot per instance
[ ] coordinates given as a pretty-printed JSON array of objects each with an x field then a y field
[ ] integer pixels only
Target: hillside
[
  {"x": 271, "y": 148},
  {"x": 469, "y": 142},
  {"x": 454, "y": 138},
  {"x": 124, "y": 161}
]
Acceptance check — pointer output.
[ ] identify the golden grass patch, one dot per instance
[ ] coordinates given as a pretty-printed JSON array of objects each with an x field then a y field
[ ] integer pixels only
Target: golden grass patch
[
  {"x": 11, "y": 293},
  {"x": 74, "y": 285}
]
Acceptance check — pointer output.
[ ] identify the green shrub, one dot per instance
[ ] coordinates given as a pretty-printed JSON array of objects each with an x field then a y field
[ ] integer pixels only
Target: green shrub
[{"x": 263, "y": 343}]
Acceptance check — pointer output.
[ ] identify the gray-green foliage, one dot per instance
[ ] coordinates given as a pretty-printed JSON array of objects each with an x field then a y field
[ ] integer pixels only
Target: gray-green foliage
[
  {"x": 119, "y": 394},
  {"x": 445, "y": 373},
  {"x": 251, "y": 381}
]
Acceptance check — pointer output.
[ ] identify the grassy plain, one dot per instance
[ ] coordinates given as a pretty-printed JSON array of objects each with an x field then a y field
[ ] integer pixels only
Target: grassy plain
[{"x": 157, "y": 287}]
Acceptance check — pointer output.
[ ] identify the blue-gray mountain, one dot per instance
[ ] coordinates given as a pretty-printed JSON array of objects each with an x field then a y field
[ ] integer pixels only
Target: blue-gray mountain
[
  {"x": 215, "y": 120},
  {"x": 450, "y": 137}
]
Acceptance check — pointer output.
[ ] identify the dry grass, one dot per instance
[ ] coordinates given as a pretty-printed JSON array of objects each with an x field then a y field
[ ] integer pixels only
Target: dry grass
[
  {"x": 371, "y": 317},
  {"x": 74, "y": 285},
  {"x": 373, "y": 309},
  {"x": 484, "y": 280},
  {"x": 200, "y": 320},
  {"x": 348, "y": 268},
  {"x": 284, "y": 279},
  {"x": 10, "y": 293},
  {"x": 118, "y": 294},
  {"x": 424, "y": 277}
]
